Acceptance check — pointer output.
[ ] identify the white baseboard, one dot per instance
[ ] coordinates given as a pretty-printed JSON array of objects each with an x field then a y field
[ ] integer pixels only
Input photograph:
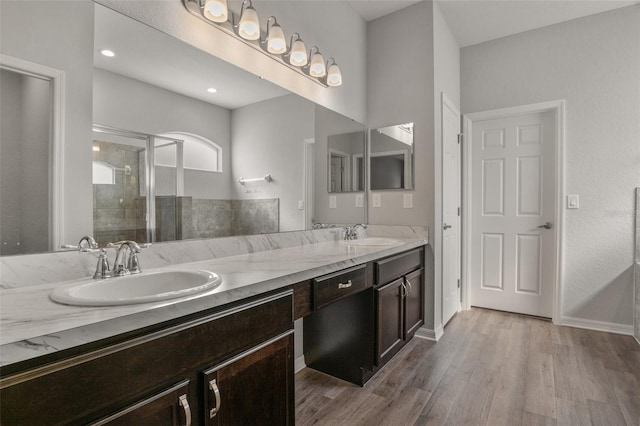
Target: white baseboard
[
  {"x": 609, "y": 327},
  {"x": 299, "y": 364},
  {"x": 439, "y": 332},
  {"x": 428, "y": 334}
]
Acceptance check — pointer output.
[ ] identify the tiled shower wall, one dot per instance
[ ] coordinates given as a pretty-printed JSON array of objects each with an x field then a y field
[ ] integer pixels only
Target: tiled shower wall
[{"x": 114, "y": 206}]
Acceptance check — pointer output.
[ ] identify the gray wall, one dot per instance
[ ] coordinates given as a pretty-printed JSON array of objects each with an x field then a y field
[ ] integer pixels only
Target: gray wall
[
  {"x": 636, "y": 311},
  {"x": 268, "y": 138},
  {"x": 69, "y": 48},
  {"x": 592, "y": 63}
]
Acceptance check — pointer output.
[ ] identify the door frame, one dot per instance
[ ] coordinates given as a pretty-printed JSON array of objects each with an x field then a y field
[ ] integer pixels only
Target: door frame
[{"x": 558, "y": 109}]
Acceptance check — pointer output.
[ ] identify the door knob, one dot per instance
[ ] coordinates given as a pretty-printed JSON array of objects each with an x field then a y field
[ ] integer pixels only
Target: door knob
[
  {"x": 445, "y": 226},
  {"x": 547, "y": 225}
]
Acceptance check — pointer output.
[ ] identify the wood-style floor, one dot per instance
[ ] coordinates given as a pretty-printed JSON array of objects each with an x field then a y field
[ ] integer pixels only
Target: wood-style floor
[{"x": 490, "y": 368}]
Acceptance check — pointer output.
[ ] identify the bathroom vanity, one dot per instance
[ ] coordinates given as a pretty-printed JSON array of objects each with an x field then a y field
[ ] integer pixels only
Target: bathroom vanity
[{"x": 225, "y": 357}]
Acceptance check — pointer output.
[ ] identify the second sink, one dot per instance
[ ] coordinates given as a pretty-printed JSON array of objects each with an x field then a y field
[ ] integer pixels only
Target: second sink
[{"x": 134, "y": 289}]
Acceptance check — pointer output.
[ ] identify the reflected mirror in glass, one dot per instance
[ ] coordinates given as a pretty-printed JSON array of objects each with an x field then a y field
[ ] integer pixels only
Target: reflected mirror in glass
[
  {"x": 391, "y": 157},
  {"x": 346, "y": 162}
]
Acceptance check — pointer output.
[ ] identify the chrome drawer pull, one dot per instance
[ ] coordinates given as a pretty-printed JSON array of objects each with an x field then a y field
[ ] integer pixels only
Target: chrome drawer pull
[
  {"x": 345, "y": 285},
  {"x": 216, "y": 392},
  {"x": 187, "y": 410}
]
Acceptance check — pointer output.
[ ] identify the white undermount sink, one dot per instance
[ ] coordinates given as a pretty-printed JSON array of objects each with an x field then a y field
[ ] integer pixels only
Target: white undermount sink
[
  {"x": 133, "y": 289},
  {"x": 373, "y": 241}
]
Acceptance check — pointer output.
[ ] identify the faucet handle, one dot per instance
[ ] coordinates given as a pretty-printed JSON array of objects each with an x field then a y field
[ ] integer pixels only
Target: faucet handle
[{"x": 102, "y": 268}]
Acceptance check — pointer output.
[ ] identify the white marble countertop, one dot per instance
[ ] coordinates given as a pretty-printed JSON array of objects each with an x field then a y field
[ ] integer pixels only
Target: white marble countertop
[{"x": 31, "y": 325}]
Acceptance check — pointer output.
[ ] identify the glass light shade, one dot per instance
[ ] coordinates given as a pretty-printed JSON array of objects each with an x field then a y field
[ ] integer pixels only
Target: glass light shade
[
  {"x": 216, "y": 10},
  {"x": 249, "y": 27},
  {"x": 276, "y": 43},
  {"x": 298, "y": 55},
  {"x": 334, "y": 76},
  {"x": 317, "y": 68}
]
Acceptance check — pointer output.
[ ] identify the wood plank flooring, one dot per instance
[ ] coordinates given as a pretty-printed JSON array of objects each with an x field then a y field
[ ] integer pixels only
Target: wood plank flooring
[{"x": 490, "y": 368}]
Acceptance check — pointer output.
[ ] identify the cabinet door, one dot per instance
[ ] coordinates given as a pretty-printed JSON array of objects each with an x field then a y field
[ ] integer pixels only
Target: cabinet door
[
  {"x": 389, "y": 301},
  {"x": 253, "y": 389},
  {"x": 170, "y": 407},
  {"x": 414, "y": 303}
]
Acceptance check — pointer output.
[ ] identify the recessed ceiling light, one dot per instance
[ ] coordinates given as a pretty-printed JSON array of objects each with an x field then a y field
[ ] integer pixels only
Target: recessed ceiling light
[
  {"x": 212, "y": 90},
  {"x": 108, "y": 53}
]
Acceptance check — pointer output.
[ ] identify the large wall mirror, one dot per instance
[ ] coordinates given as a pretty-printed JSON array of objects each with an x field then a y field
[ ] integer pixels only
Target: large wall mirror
[
  {"x": 391, "y": 157},
  {"x": 177, "y": 143}
]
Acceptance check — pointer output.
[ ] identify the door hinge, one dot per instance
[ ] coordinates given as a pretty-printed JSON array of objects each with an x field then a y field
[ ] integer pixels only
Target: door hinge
[
  {"x": 458, "y": 211},
  {"x": 460, "y": 137},
  {"x": 458, "y": 283}
]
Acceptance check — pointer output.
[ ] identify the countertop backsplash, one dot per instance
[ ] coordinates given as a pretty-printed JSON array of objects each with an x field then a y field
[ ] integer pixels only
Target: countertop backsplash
[{"x": 34, "y": 269}]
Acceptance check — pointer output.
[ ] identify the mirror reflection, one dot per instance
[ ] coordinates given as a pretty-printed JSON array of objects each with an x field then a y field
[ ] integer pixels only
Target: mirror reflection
[
  {"x": 175, "y": 130},
  {"x": 391, "y": 157},
  {"x": 346, "y": 162}
]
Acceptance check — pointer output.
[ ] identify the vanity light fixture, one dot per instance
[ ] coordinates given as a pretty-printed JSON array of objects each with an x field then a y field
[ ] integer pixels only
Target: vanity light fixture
[
  {"x": 334, "y": 76},
  {"x": 108, "y": 53},
  {"x": 272, "y": 42},
  {"x": 316, "y": 66},
  {"x": 297, "y": 54},
  {"x": 249, "y": 25},
  {"x": 276, "y": 42},
  {"x": 216, "y": 10}
]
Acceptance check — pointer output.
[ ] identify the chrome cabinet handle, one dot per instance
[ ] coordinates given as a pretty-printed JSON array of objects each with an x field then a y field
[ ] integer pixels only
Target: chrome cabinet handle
[
  {"x": 445, "y": 226},
  {"x": 547, "y": 225},
  {"x": 345, "y": 285},
  {"x": 404, "y": 290},
  {"x": 408, "y": 283},
  {"x": 213, "y": 386},
  {"x": 187, "y": 410}
]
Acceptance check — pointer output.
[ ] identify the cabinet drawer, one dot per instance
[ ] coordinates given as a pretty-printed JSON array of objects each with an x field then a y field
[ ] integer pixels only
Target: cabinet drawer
[
  {"x": 393, "y": 267},
  {"x": 329, "y": 288}
]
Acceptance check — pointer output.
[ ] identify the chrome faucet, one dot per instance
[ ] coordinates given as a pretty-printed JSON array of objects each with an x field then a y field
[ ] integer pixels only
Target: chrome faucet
[
  {"x": 350, "y": 231},
  {"x": 126, "y": 264}
]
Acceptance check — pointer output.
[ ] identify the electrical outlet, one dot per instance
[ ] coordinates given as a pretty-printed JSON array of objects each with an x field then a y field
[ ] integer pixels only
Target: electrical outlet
[
  {"x": 332, "y": 202},
  {"x": 359, "y": 200},
  {"x": 377, "y": 200},
  {"x": 407, "y": 201},
  {"x": 573, "y": 201},
  {"x": 300, "y": 205}
]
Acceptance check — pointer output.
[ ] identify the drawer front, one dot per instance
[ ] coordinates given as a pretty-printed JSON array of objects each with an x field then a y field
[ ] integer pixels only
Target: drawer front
[
  {"x": 389, "y": 269},
  {"x": 329, "y": 288}
]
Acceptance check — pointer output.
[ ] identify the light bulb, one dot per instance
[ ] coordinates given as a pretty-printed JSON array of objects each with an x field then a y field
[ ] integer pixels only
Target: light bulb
[
  {"x": 298, "y": 55},
  {"x": 317, "y": 68},
  {"x": 276, "y": 43},
  {"x": 216, "y": 10},
  {"x": 108, "y": 53},
  {"x": 334, "y": 76},
  {"x": 249, "y": 27}
]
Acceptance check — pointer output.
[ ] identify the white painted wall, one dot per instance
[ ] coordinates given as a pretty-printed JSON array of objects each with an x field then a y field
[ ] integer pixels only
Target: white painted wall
[
  {"x": 129, "y": 104},
  {"x": 69, "y": 48},
  {"x": 329, "y": 123},
  {"x": 333, "y": 26},
  {"x": 268, "y": 138},
  {"x": 594, "y": 64}
]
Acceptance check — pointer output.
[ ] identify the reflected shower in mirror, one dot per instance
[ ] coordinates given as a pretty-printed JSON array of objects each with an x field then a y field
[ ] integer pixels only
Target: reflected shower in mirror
[
  {"x": 346, "y": 162},
  {"x": 391, "y": 157}
]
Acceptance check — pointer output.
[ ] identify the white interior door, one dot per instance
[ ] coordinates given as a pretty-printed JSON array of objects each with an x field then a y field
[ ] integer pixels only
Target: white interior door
[
  {"x": 451, "y": 197},
  {"x": 513, "y": 175}
]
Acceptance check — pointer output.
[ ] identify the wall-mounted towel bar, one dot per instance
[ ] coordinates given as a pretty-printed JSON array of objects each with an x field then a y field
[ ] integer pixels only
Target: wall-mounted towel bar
[{"x": 266, "y": 178}]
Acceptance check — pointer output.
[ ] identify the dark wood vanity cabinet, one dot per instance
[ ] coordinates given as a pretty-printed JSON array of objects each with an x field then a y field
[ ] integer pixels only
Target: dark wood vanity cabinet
[
  {"x": 162, "y": 377},
  {"x": 399, "y": 301}
]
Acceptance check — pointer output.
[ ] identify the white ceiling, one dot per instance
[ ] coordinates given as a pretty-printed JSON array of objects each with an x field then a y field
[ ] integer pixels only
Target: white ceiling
[{"x": 477, "y": 21}]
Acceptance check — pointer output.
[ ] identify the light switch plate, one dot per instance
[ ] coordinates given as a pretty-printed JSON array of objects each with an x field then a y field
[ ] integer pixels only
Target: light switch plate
[
  {"x": 407, "y": 201},
  {"x": 332, "y": 202},
  {"x": 359, "y": 200},
  {"x": 573, "y": 201},
  {"x": 377, "y": 200}
]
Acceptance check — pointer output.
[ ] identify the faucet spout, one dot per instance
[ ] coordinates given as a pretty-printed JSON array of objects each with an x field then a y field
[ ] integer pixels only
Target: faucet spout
[
  {"x": 351, "y": 231},
  {"x": 123, "y": 264}
]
